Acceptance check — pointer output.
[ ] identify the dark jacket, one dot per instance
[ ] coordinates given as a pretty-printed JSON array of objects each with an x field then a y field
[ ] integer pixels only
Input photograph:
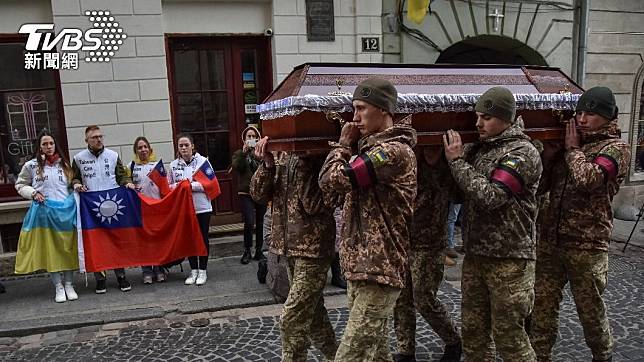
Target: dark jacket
[
  {"x": 245, "y": 164},
  {"x": 378, "y": 206},
  {"x": 302, "y": 217},
  {"x": 582, "y": 183},
  {"x": 499, "y": 178}
]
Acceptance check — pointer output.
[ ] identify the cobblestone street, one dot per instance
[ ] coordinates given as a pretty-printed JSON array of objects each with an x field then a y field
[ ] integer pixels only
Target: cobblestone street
[{"x": 252, "y": 334}]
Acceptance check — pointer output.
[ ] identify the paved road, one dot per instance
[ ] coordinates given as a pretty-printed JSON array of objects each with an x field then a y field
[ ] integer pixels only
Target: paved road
[{"x": 252, "y": 334}]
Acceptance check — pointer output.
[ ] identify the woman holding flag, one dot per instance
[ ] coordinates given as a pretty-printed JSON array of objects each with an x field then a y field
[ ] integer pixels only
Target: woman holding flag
[
  {"x": 191, "y": 166},
  {"x": 48, "y": 236},
  {"x": 144, "y": 162}
]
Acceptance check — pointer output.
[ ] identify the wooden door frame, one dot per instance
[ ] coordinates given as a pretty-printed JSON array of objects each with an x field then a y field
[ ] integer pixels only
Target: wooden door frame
[{"x": 237, "y": 120}]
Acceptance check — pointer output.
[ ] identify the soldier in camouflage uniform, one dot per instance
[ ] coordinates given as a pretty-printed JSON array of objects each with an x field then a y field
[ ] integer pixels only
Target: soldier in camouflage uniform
[
  {"x": 380, "y": 187},
  {"x": 577, "y": 224},
  {"x": 426, "y": 260},
  {"x": 303, "y": 231},
  {"x": 498, "y": 176}
]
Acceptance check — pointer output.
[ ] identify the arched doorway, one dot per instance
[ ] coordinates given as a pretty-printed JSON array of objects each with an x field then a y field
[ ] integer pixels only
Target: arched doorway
[{"x": 491, "y": 49}]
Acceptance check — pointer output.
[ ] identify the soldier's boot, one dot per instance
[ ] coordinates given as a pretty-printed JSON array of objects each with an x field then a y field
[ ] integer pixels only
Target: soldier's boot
[
  {"x": 399, "y": 357},
  {"x": 452, "y": 352},
  {"x": 337, "y": 279},
  {"x": 245, "y": 259},
  {"x": 2, "y": 289}
]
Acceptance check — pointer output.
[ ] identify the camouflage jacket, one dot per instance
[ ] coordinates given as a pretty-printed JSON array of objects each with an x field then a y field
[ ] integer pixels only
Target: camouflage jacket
[
  {"x": 429, "y": 227},
  {"x": 582, "y": 183},
  {"x": 380, "y": 187},
  {"x": 499, "y": 178},
  {"x": 302, "y": 220}
]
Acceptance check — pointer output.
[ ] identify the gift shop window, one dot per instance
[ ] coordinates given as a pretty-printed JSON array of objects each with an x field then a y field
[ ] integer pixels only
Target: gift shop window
[{"x": 29, "y": 103}]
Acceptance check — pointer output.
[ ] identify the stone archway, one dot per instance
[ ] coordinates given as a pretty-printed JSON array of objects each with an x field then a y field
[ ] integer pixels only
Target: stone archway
[{"x": 491, "y": 49}]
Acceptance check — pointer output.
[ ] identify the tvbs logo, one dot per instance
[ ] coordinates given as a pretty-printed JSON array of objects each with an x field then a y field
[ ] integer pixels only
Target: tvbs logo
[{"x": 100, "y": 42}]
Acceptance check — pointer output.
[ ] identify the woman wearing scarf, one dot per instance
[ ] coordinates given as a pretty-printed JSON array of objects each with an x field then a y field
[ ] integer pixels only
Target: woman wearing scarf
[{"x": 48, "y": 236}]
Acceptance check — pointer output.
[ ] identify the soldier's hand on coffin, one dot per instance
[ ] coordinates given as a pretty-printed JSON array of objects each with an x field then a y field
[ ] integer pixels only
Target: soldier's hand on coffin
[
  {"x": 262, "y": 152},
  {"x": 453, "y": 145},
  {"x": 432, "y": 154},
  {"x": 572, "y": 136},
  {"x": 350, "y": 134}
]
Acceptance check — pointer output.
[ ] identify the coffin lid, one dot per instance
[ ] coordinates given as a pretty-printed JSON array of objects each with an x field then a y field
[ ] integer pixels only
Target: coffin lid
[{"x": 421, "y": 87}]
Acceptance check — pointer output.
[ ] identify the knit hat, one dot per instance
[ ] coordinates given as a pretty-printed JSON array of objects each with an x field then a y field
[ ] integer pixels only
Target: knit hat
[
  {"x": 378, "y": 92},
  {"x": 259, "y": 135},
  {"x": 599, "y": 100},
  {"x": 497, "y": 102}
]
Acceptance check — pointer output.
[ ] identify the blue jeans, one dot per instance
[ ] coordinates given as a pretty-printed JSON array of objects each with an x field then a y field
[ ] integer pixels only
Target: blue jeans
[{"x": 452, "y": 216}]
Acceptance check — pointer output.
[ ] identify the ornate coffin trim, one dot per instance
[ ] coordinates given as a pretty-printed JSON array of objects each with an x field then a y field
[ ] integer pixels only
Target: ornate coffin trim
[{"x": 412, "y": 103}]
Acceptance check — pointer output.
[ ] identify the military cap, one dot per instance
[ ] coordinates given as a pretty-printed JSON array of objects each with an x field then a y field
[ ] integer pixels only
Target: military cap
[
  {"x": 378, "y": 92},
  {"x": 599, "y": 100},
  {"x": 497, "y": 102}
]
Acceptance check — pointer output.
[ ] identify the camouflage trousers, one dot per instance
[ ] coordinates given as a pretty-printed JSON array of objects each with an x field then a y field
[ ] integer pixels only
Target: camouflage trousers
[
  {"x": 498, "y": 295},
  {"x": 366, "y": 337},
  {"x": 587, "y": 272},
  {"x": 426, "y": 275},
  {"x": 304, "y": 318}
]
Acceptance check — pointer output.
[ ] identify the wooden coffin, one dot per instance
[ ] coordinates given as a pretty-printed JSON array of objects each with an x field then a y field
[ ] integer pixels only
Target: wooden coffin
[{"x": 305, "y": 111}]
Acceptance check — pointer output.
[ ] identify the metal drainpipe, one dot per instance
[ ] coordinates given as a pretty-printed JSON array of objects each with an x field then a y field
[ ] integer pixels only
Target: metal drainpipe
[{"x": 582, "y": 48}]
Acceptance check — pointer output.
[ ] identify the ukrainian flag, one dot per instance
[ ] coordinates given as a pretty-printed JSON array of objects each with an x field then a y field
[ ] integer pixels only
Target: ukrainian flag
[{"x": 48, "y": 239}]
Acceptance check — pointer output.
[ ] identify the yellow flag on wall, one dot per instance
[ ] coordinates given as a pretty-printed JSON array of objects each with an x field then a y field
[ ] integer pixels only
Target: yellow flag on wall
[{"x": 417, "y": 9}]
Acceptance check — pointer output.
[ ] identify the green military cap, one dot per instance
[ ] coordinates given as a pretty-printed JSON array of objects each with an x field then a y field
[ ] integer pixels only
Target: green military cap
[
  {"x": 378, "y": 92},
  {"x": 497, "y": 102},
  {"x": 599, "y": 100}
]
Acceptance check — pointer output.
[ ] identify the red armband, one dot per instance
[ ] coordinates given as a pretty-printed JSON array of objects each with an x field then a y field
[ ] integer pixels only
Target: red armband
[
  {"x": 608, "y": 165},
  {"x": 508, "y": 178},
  {"x": 361, "y": 172}
]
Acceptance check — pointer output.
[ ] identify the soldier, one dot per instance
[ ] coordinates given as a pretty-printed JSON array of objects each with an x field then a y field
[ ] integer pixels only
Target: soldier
[
  {"x": 577, "y": 224},
  {"x": 379, "y": 186},
  {"x": 426, "y": 262},
  {"x": 498, "y": 176},
  {"x": 303, "y": 231}
]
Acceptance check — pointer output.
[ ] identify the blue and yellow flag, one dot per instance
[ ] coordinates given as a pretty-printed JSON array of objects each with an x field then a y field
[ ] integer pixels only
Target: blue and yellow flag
[
  {"x": 48, "y": 239},
  {"x": 417, "y": 9}
]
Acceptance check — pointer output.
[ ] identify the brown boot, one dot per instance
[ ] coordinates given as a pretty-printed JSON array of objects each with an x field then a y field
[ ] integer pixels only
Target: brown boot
[{"x": 449, "y": 261}]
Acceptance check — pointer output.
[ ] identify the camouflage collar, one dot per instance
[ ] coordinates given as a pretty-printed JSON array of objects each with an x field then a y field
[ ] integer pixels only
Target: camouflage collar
[
  {"x": 609, "y": 130},
  {"x": 399, "y": 132},
  {"x": 511, "y": 133}
]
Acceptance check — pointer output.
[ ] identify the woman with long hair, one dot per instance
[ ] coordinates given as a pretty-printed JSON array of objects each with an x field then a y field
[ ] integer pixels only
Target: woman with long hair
[
  {"x": 188, "y": 161},
  {"x": 46, "y": 179},
  {"x": 144, "y": 162}
]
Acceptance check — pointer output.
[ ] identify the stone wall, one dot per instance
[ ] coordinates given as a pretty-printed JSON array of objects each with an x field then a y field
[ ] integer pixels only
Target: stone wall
[
  {"x": 353, "y": 20},
  {"x": 127, "y": 96}
]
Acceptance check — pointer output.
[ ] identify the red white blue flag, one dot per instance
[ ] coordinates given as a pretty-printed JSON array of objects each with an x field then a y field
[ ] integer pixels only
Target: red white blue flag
[
  {"x": 119, "y": 229},
  {"x": 205, "y": 175},
  {"x": 159, "y": 176}
]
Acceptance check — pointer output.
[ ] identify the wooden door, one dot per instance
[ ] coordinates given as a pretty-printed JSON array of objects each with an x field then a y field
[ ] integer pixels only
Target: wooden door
[{"x": 212, "y": 79}]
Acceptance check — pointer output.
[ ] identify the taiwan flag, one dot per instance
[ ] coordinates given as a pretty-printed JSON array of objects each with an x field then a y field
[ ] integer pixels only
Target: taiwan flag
[
  {"x": 119, "y": 229},
  {"x": 205, "y": 175},
  {"x": 160, "y": 178}
]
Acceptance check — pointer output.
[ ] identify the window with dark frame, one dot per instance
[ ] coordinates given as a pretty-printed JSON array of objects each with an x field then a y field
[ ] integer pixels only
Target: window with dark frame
[
  {"x": 201, "y": 94},
  {"x": 29, "y": 102}
]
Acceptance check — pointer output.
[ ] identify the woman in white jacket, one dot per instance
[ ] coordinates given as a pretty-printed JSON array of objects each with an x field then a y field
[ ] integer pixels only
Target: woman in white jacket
[
  {"x": 183, "y": 168},
  {"x": 48, "y": 177}
]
